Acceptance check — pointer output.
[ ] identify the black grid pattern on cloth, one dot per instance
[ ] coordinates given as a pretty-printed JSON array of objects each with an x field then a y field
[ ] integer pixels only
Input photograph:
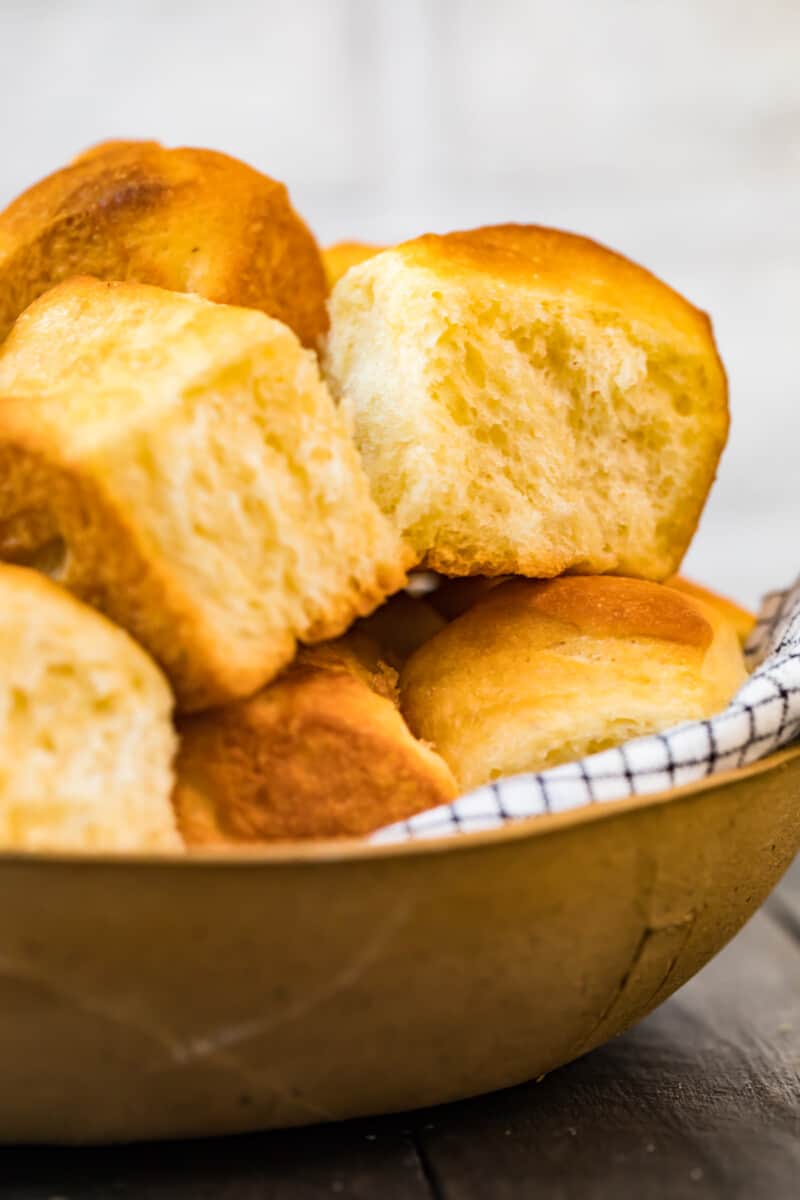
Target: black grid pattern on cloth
[{"x": 762, "y": 717}]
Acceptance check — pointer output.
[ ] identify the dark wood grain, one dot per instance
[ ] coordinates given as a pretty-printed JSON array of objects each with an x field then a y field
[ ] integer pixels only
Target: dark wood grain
[
  {"x": 357, "y": 1161},
  {"x": 701, "y": 1101}
]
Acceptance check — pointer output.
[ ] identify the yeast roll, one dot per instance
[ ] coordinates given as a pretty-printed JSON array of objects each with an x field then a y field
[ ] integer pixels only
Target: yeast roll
[
  {"x": 181, "y": 466},
  {"x": 321, "y": 752},
  {"x": 528, "y": 402},
  {"x": 86, "y": 740},
  {"x": 186, "y": 219},
  {"x": 541, "y": 673}
]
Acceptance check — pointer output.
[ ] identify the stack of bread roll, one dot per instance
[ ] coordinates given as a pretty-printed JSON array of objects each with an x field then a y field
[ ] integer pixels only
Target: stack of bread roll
[{"x": 296, "y": 544}]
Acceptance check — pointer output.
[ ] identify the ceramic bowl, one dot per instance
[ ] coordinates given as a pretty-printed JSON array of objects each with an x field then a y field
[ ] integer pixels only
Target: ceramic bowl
[{"x": 223, "y": 992}]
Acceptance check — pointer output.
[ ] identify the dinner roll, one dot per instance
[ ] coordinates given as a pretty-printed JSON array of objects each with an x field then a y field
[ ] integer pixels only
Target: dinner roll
[
  {"x": 742, "y": 620},
  {"x": 321, "y": 752},
  {"x": 338, "y": 259},
  {"x": 86, "y": 742},
  {"x": 188, "y": 220},
  {"x": 540, "y": 673},
  {"x": 181, "y": 466},
  {"x": 528, "y": 402}
]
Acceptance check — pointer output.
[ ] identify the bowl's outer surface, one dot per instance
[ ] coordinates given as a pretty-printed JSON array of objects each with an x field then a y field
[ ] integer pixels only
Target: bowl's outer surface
[{"x": 159, "y": 998}]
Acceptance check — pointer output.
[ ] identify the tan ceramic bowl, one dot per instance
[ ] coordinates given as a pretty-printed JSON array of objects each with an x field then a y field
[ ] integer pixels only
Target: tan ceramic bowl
[{"x": 221, "y": 993}]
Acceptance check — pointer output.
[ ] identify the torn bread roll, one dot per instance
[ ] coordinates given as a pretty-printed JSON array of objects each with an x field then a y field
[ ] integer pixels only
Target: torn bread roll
[
  {"x": 528, "y": 402},
  {"x": 321, "y": 752},
  {"x": 86, "y": 741},
  {"x": 541, "y": 673},
  {"x": 184, "y": 219},
  {"x": 181, "y": 466}
]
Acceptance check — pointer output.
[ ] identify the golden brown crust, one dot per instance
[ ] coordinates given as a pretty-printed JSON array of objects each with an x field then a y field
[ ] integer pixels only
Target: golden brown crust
[
  {"x": 740, "y": 618},
  {"x": 609, "y": 606},
  {"x": 321, "y": 752},
  {"x": 539, "y": 673},
  {"x": 339, "y": 258},
  {"x": 453, "y": 597},
  {"x": 565, "y": 263},
  {"x": 184, "y": 219}
]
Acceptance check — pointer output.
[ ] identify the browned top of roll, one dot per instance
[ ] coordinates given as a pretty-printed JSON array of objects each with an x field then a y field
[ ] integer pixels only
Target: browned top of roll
[
  {"x": 185, "y": 219},
  {"x": 321, "y": 752},
  {"x": 566, "y": 263},
  {"x": 608, "y": 606},
  {"x": 539, "y": 673}
]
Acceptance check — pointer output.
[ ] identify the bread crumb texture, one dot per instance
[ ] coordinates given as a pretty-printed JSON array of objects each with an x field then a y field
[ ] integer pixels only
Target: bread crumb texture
[
  {"x": 181, "y": 466},
  {"x": 86, "y": 740},
  {"x": 528, "y": 402}
]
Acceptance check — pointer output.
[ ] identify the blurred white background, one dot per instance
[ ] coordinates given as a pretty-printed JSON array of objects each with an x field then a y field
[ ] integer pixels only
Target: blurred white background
[{"x": 669, "y": 130}]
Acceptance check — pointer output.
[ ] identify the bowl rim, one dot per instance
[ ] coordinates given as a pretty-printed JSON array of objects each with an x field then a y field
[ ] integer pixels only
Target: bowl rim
[{"x": 340, "y": 850}]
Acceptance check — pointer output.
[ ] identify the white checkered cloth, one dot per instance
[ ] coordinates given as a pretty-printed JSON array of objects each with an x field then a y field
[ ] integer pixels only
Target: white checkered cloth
[{"x": 763, "y": 716}]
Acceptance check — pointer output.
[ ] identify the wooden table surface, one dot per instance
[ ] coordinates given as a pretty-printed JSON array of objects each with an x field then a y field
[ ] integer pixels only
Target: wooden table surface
[{"x": 701, "y": 1100}]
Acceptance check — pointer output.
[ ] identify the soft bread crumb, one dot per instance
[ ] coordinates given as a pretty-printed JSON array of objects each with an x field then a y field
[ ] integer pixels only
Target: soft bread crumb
[
  {"x": 86, "y": 742},
  {"x": 201, "y": 483},
  {"x": 527, "y": 402}
]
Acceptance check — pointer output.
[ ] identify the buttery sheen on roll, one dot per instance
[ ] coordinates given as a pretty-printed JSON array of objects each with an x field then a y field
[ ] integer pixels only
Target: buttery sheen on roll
[
  {"x": 454, "y": 596},
  {"x": 321, "y": 752},
  {"x": 188, "y": 220},
  {"x": 181, "y": 466},
  {"x": 86, "y": 741},
  {"x": 528, "y": 402},
  {"x": 537, "y": 674}
]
